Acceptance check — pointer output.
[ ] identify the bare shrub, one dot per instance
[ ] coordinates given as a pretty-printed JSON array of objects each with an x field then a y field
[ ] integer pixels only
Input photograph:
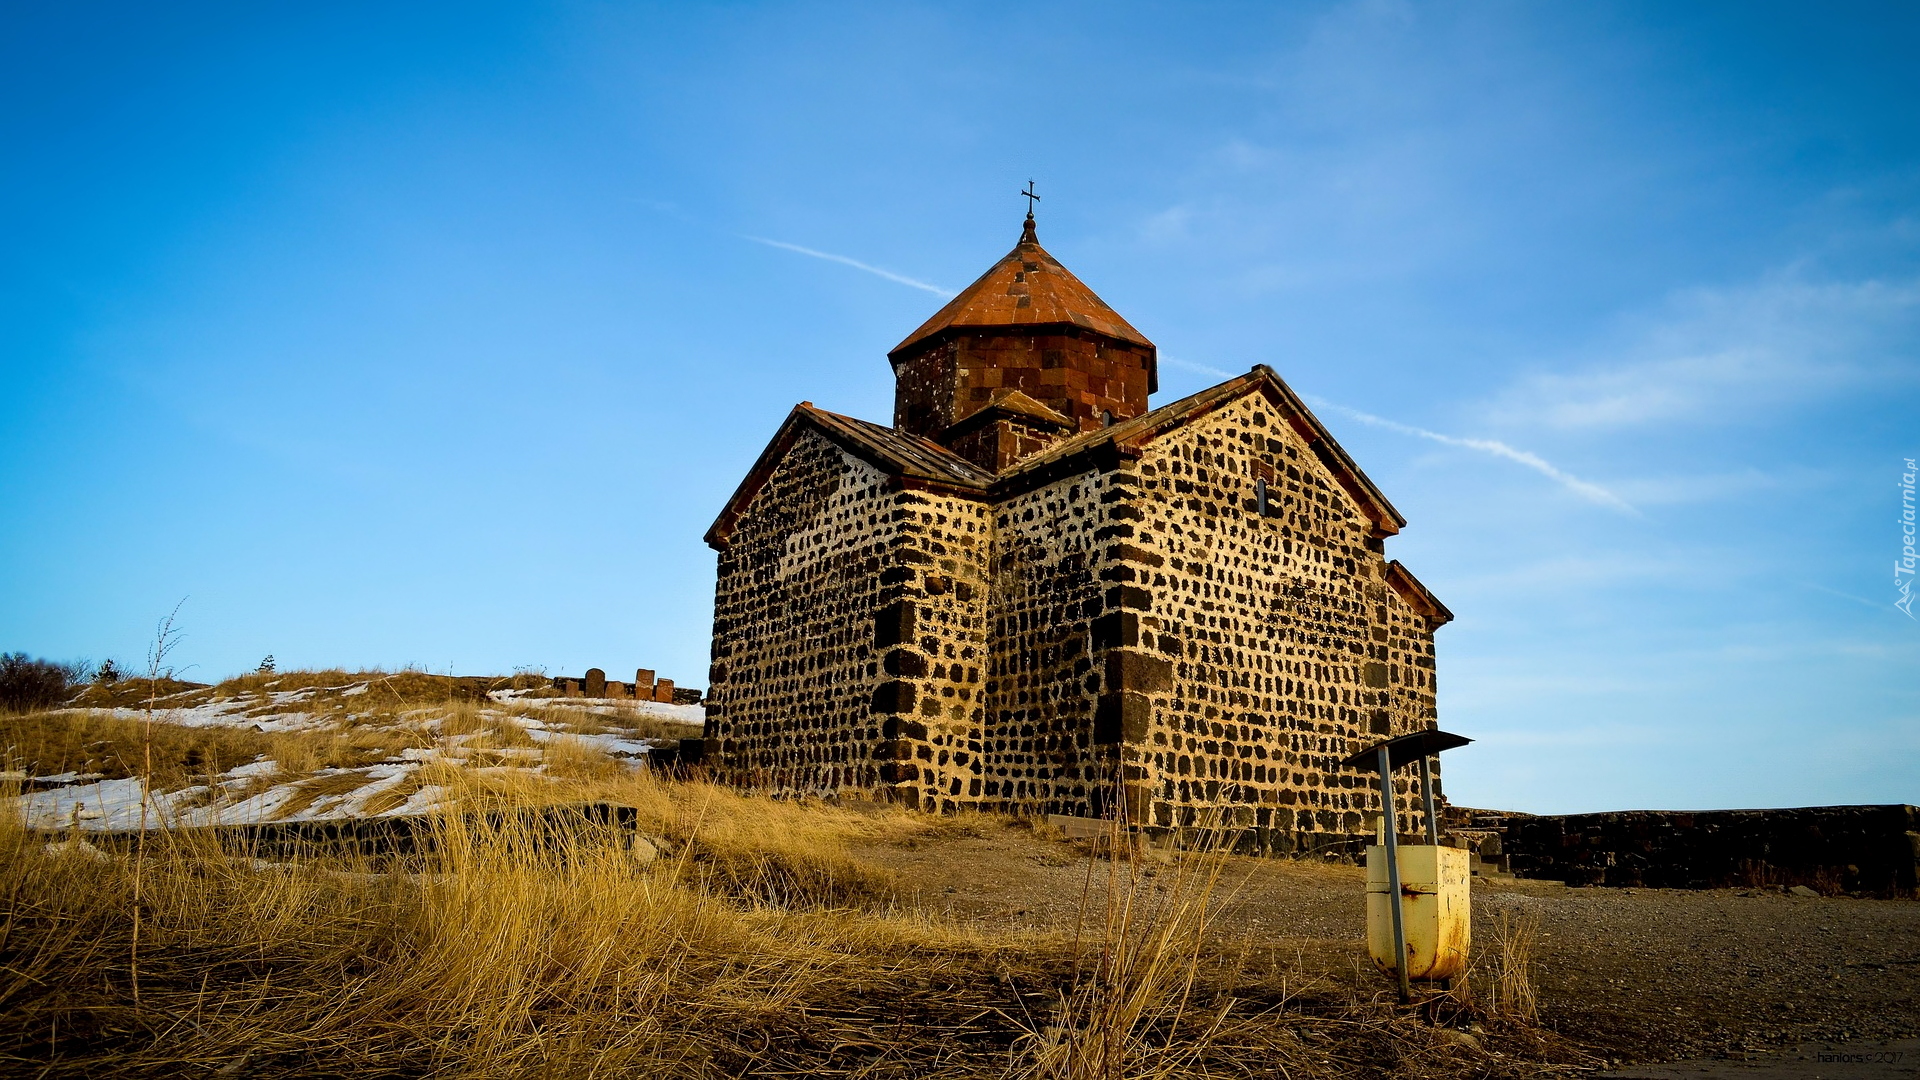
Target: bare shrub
[{"x": 28, "y": 683}]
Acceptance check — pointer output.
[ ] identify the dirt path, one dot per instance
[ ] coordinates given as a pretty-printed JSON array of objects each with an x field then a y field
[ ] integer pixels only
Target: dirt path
[{"x": 1636, "y": 975}]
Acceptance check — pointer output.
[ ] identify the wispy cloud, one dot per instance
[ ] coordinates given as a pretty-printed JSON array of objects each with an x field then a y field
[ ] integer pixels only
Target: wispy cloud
[
  {"x": 1587, "y": 490},
  {"x": 855, "y": 263},
  {"x": 1198, "y": 369},
  {"x": 1724, "y": 352},
  {"x": 1877, "y": 605}
]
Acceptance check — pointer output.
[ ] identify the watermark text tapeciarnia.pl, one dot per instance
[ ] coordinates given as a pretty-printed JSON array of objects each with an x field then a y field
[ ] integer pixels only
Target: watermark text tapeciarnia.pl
[{"x": 1903, "y": 567}]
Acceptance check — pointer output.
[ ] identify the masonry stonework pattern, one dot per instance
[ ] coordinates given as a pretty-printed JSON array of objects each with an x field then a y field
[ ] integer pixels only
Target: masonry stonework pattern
[{"x": 1034, "y": 593}]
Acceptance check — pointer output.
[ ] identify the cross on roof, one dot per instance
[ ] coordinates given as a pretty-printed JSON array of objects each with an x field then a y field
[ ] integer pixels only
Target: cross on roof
[{"x": 1031, "y": 198}]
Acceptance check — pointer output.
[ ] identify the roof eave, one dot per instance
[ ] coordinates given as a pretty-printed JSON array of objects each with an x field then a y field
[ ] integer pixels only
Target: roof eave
[
  {"x": 1417, "y": 594},
  {"x": 830, "y": 425},
  {"x": 934, "y": 338},
  {"x": 1130, "y": 438}
]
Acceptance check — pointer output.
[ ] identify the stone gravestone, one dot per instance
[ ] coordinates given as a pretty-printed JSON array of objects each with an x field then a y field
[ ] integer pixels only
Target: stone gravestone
[
  {"x": 596, "y": 683},
  {"x": 663, "y": 691}
]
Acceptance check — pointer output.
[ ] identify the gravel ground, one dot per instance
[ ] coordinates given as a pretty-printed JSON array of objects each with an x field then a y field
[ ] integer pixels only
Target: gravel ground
[{"x": 1634, "y": 975}]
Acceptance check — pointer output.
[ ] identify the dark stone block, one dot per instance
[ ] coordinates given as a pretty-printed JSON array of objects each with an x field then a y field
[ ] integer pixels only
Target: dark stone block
[
  {"x": 1122, "y": 717},
  {"x": 900, "y": 728},
  {"x": 896, "y": 624},
  {"x": 1132, "y": 553},
  {"x": 1129, "y": 596},
  {"x": 1116, "y": 630},
  {"x": 1138, "y": 671},
  {"x": 894, "y": 697},
  {"x": 906, "y": 662}
]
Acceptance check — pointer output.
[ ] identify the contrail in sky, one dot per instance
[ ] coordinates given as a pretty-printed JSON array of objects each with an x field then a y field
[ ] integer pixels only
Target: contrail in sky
[
  {"x": 1590, "y": 491},
  {"x": 855, "y": 263},
  {"x": 1202, "y": 369}
]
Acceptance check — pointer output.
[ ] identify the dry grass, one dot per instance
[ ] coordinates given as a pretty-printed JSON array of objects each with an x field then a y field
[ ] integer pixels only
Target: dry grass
[
  {"x": 624, "y": 720},
  {"x": 757, "y": 944},
  {"x": 1134, "y": 981},
  {"x": 491, "y": 729},
  {"x": 1510, "y": 990},
  {"x": 325, "y": 785},
  {"x": 135, "y": 693},
  {"x": 50, "y": 743},
  {"x": 570, "y": 758}
]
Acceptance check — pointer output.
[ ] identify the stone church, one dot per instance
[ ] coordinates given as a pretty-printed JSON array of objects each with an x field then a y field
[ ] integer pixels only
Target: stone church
[{"x": 1034, "y": 592}]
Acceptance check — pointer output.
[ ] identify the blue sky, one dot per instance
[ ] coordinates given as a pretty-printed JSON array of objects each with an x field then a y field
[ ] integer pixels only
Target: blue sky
[{"x": 391, "y": 334}]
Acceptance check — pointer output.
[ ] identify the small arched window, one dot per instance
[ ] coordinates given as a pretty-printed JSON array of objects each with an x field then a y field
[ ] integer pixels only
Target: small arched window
[
  {"x": 1106, "y": 418},
  {"x": 1260, "y": 495}
]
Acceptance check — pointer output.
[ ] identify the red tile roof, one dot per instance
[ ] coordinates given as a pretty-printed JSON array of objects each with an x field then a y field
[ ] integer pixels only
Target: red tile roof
[{"x": 1027, "y": 288}]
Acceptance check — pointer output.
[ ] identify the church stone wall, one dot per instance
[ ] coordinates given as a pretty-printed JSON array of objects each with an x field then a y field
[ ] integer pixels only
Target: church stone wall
[
  {"x": 1046, "y": 597},
  {"x": 930, "y": 633},
  {"x": 849, "y": 642},
  {"x": 794, "y": 664},
  {"x": 1141, "y": 622},
  {"x": 1290, "y": 649}
]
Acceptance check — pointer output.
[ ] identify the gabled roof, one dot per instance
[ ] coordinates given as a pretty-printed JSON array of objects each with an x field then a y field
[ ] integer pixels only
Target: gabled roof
[
  {"x": 1028, "y": 288},
  {"x": 1417, "y": 595},
  {"x": 893, "y": 452},
  {"x": 1128, "y": 437},
  {"x": 1011, "y": 403},
  {"x": 928, "y": 464}
]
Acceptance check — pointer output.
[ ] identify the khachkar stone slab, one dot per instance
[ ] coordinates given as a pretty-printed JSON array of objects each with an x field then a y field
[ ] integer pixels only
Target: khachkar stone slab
[
  {"x": 1052, "y": 599},
  {"x": 645, "y": 687}
]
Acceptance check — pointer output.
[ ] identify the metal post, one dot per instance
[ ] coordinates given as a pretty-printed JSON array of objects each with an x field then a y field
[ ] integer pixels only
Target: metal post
[
  {"x": 1392, "y": 844},
  {"x": 1426, "y": 789}
]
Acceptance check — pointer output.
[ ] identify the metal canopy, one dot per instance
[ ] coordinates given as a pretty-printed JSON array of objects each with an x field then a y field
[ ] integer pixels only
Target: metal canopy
[{"x": 1406, "y": 749}]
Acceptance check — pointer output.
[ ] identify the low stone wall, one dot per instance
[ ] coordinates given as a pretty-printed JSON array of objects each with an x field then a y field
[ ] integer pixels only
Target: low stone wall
[
  {"x": 1834, "y": 849},
  {"x": 381, "y": 837}
]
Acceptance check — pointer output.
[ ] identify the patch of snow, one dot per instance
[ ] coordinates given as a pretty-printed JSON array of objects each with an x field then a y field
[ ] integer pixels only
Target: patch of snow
[
  {"x": 102, "y": 805},
  {"x": 68, "y": 778},
  {"x": 419, "y": 802},
  {"x": 695, "y": 715},
  {"x": 77, "y": 848}
]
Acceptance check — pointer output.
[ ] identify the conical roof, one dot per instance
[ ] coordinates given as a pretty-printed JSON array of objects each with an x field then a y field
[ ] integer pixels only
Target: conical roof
[{"x": 1028, "y": 288}]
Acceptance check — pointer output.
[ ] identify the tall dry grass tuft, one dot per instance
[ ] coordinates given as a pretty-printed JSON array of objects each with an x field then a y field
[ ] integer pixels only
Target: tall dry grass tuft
[
  {"x": 1510, "y": 990},
  {"x": 1128, "y": 1012},
  {"x": 568, "y": 757}
]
